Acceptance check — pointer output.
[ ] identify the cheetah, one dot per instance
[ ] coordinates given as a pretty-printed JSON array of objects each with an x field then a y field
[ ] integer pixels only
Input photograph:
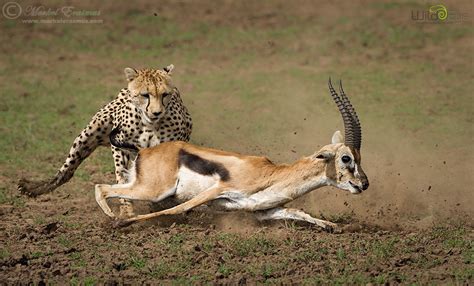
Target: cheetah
[{"x": 146, "y": 113}]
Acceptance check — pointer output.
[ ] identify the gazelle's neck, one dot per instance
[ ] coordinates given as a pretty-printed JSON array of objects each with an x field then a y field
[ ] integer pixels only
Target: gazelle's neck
[{"x": 301, "y": 177}]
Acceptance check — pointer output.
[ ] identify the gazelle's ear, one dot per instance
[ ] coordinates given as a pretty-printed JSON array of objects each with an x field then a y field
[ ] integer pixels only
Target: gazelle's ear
[
  {"x": 169, "y": 69},
  {"x": 130, "y": 73},
  {"x": 337, "y": 137},
  {"x": 325, "y": 155}
]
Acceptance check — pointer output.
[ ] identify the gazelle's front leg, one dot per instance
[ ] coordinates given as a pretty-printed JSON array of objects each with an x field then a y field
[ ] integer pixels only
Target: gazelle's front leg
[
  {"x": 293, "y": 214},
  {"x": 101, "y": 199}
]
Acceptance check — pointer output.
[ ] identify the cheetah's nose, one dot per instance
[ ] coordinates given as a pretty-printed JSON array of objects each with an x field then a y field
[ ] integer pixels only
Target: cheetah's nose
[{"x": 157, "y": 113}]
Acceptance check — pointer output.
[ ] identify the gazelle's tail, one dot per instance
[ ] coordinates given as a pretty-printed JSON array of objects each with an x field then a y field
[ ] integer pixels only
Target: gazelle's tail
[{"x": 118, "y": 144}]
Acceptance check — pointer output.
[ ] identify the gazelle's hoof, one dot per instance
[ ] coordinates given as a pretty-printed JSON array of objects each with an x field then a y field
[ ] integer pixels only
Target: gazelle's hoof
[
  {"x": 119, "y": 223},
  {"x": 328, "y": 228},
  {"x": 332, "y": 228}
]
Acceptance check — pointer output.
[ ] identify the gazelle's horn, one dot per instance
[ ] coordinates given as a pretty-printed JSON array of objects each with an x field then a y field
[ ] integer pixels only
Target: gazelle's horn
[
  {"x": 356, "y": 129},
  {"x": 349, "y": 137}
]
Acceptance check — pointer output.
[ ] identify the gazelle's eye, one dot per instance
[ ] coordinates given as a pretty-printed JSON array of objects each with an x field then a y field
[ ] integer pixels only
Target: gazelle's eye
[
  {"x": 346, "y": 159},
  {"x": 145, "y": 95}
]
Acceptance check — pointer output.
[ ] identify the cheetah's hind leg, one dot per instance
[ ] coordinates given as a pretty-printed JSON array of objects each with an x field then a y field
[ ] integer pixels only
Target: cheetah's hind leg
[{"x": 36, "y": 188}]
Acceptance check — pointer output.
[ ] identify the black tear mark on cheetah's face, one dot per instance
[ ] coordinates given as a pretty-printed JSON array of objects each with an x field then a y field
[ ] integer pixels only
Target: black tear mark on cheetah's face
[{"x": 150, "y": 90}]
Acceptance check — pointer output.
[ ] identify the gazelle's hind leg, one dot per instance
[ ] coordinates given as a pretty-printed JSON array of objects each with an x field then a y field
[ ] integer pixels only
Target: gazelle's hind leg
[
  {"x": 101, "y": 199},
  {"x": 293, "y": 214},
  {"x": 122, "y": 175},
  {"x": 102, "y": 192},
  {"x": 199, "y": 199},
  {"x": 125, "y": 191}
]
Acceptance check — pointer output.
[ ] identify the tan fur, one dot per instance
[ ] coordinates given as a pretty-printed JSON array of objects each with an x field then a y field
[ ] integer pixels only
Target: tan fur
[
  {"x": 158, "y": 172},
  {"x": 197, "y": 175}
]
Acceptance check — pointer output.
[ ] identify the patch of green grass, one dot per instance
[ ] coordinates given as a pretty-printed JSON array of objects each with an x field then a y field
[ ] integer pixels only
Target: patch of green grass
[
  {"x": 341, "y": 254},
  {"x": 3, "y": 195},
  {"x": 75, "y": 255},
  {"x": 383, "y": 249},
  {"x": 78, "y": 262},
  {"x": 434, "y": 262},
  {"x": 225, "y": 270},
  {"x": 267, "y": 271},
  {"x": 347, "y": 279},
  {"x": 351, "y": 278},
  {"x": 207, "y": 245},
  {"x": 186, "y": 281},
  {"x": 74, "y": 281},
  {"x": 89, "y": 281},
  {"x": 4, "y": 253},
  {"x": 311, "y": 254},
  {"x": 173, "y": 243},
  {"x": 451, "y": 237},
  {"x": 39, "y": 220},
  {"x": 7, "y": 198},
  {"x": 163, "y": 270},
  {"x": 389, "y": 5},
  {"x": 65, "y": 242},
  {"x": 72, "y": 225},
  {"x": 464, "y": 274},
  {"x": 160, "y": 270},
  {"x": 137, "y": 262},
  {"x": 37, "y": 254},
  {"x": 243, "y": 246},
  {"x": 468, "y": 254},
  {"x": 380, "y": 279}
]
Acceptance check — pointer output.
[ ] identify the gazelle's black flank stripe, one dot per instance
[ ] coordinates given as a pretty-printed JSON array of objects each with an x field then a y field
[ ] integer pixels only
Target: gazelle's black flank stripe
[{"x": 202, "y": 166}]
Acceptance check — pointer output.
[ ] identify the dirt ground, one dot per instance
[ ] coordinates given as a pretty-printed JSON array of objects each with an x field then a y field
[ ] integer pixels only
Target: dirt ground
[{"x": 253, "y": 74}]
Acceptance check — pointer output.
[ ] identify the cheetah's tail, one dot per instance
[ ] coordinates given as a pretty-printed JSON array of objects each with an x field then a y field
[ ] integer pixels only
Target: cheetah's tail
[
  {"x": 121, "y": 145},
  {"x": 34, "y": 189}
]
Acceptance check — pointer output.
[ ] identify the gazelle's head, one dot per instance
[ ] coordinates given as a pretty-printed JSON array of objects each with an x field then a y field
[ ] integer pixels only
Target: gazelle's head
[
  {"x": 151, "y": 90},
  {"x": 342, "y": 156}
]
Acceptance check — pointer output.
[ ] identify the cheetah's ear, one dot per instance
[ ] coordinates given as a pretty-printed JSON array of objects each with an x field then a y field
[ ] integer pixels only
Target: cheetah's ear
[
  {"x": 130, "y": 73},
  {"x": 169, "y": 69}
]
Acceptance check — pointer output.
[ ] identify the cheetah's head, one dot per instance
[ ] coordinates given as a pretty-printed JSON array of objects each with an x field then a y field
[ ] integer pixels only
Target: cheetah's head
[{"x": 151, "y": 90}]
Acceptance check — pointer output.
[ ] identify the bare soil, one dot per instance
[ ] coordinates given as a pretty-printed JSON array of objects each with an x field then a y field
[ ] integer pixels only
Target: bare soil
[{"x": 74, "y": 243}]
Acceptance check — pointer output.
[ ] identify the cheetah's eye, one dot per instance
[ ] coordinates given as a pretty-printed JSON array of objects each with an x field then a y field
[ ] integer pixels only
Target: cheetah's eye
[
  {"x": 165, "y": 94},
  {"x": 145, "y": 95}
]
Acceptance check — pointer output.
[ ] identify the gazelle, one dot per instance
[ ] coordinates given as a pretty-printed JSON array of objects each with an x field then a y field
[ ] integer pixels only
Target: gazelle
[{"x": 230, "y": 181}]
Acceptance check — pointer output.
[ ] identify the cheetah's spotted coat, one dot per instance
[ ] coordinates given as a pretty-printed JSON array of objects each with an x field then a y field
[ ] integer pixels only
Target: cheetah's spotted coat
[{"x": 148, "y": 112}]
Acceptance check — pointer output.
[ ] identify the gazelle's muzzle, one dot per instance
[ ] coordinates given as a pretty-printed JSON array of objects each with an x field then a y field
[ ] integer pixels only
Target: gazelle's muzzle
[{"x": 363, "y": 180}]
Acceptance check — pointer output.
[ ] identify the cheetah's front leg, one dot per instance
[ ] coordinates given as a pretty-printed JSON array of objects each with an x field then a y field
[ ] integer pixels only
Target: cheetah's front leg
[{"x": 121, "y": 161}]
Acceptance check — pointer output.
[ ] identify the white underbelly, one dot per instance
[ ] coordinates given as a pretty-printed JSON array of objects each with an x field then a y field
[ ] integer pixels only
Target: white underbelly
[
  {"x": 191, "y": 184},
  {"x": 237, "y": 200}
]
